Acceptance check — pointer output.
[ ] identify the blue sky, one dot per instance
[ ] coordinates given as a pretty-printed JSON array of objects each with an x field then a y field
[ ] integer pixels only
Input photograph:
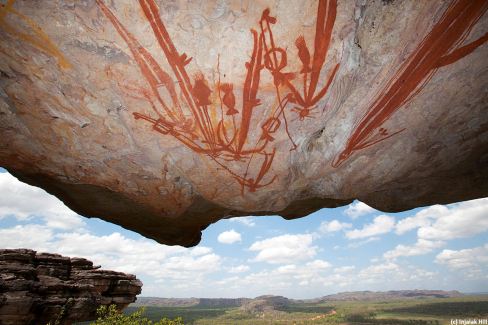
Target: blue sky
[{"x": 332, "y": 250}]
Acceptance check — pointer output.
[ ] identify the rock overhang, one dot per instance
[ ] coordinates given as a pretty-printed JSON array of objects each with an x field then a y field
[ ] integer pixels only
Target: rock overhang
[{"x": 124, "y": 114}]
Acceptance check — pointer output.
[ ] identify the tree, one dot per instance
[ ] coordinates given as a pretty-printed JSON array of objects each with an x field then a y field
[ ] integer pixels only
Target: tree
[{"x": 109, "y": 315}]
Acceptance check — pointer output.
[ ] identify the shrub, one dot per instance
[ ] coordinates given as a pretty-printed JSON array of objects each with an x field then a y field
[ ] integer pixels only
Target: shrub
[{"x": 111, "y": 316}]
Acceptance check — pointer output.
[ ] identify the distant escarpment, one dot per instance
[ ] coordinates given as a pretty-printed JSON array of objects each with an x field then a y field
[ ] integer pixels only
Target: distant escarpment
[
  {"x": 269, "y": 302},
  {"x": 394, "y": 294},
  {"x": 37, "y": 288}
]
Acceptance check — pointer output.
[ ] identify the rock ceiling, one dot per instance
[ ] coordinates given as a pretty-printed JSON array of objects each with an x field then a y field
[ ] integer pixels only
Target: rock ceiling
[{"x": 166, "y": 116}]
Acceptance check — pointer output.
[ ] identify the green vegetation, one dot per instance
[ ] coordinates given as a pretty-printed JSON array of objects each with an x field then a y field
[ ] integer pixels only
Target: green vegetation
[
  {"x": 188, "y": 314},
  {"x": 111, "y": 316},
  {"x": 306, "y": 308},
  {"x": 471, "y": 308},
  {"x": 427, "y": 311}
]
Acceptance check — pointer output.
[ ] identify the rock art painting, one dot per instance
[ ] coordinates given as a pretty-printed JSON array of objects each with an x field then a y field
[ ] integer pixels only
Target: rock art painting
[
  {"x": 442, "y": 46},
  {"x": 165, "y": 116},
  {"x": 34, "y": 35},
  {"x": 223, "y": 130}
]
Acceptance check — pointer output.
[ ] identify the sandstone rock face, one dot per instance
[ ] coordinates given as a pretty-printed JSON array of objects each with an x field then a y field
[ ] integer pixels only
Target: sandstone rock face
[
  {"x": 35, "y": 288},
  {"x": 166, "y": 116}
]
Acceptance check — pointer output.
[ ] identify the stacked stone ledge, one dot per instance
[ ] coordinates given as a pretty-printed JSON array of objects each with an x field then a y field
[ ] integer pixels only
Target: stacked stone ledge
[{"x": 35, "y": 288}]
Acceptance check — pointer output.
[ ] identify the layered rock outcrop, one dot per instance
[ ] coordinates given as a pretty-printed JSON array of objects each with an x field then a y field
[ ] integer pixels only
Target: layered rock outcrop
[
  {"x": 37, "y": 288},
  {"x": 166, "y": 116}
]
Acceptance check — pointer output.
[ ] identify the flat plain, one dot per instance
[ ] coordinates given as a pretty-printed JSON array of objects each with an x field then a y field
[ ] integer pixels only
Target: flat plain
[{"x": 275, "y": 311}]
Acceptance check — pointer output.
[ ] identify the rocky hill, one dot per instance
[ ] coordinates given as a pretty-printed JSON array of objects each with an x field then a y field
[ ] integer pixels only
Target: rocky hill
[
  {"x": 397, "y": 294},
  {"x": 190, "y": 302},
  {"x": 266, "y": 304},
  {"x": 36, "y": 288}
]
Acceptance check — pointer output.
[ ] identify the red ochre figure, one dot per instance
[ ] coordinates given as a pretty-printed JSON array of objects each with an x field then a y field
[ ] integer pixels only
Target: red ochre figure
[
  {"x": 229, "y": 99},
  {"x": 439, "y": 48},
  {"x": 190, "y": 117}
]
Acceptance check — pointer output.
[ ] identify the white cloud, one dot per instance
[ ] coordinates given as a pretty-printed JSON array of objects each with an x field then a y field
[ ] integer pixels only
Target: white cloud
[
  {"x": 440, "y": 222},
  {"x": 333, "y": 226},
  {"x": 200, "y": 250},
  {"x": 286, "y": 269},
  {"x": 360, "y": 243},
  {"x": 239, "y": 269},
  {"x": 464, "y": 259},
  {"x": 381, "y": 225},
  {"x": 357, "y": 209},
  {"x": 318, "y": 264},
  {"x": 379, "y": 269},
  {"x": 281, "y": 280},
  {"x": 344, "y": 269},
  {"x": 318, "y": 278},
  {"x": 247, "y": 221},
  {"x": 30, "y": 236},
  {"x": 390, "y": 273},
  {"x": 23, "y": 202},
  {"x": 421, "y": 219},
  {"x": 464, "y": 219},
  {"x": 437, "y": 224},
  {"x": 421, "y": 247},
  {"x": 171, "y": 265},
  {"x": 285, "y": 248},
  {"x": 229, "y": 237}
]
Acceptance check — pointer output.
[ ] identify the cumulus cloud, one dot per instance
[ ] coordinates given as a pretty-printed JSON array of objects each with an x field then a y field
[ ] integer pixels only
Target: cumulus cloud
[
  {"x": 239, "y": 269},
  {"x": 437, "y": 224},
  {"x": 360, "y": 243},
  {"x": 26, "y": 236},
  {"x": 464, "y": 259},
  {"x": 318, "y": 277},
  {"x": 200, "y": 250},
  {"x": 421, "y": 219},
  {"x": 285, "y": 248},
  {"x": 117, "y": 252},
  {"x": 333, "y": 226},
  {"x": 229, "y": 237},
  {"x": 440, "y": 222},
  {"x": 379, "y": 270},
  {"x": 421, "y": 247},
  {"x": 344, "y": 269},
  {"x": 381, "y": 225},
  {"x": 144, "y": 257},
  {"x": 23, "y": 202},
  {"x": 281, "y": 280},
  {"x": 246, "y": 221},
  {"x": 318, "y": 264},
  {"x": 357, "y": 209},
  {"x": 461, "y": 220}
]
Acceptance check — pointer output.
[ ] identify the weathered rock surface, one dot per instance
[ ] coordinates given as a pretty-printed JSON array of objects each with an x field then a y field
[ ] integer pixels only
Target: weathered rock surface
[
  {"x": 166, "y": 116},
  {"x": 35, "y": 288},
  {"x": 265, "y": 304}
]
